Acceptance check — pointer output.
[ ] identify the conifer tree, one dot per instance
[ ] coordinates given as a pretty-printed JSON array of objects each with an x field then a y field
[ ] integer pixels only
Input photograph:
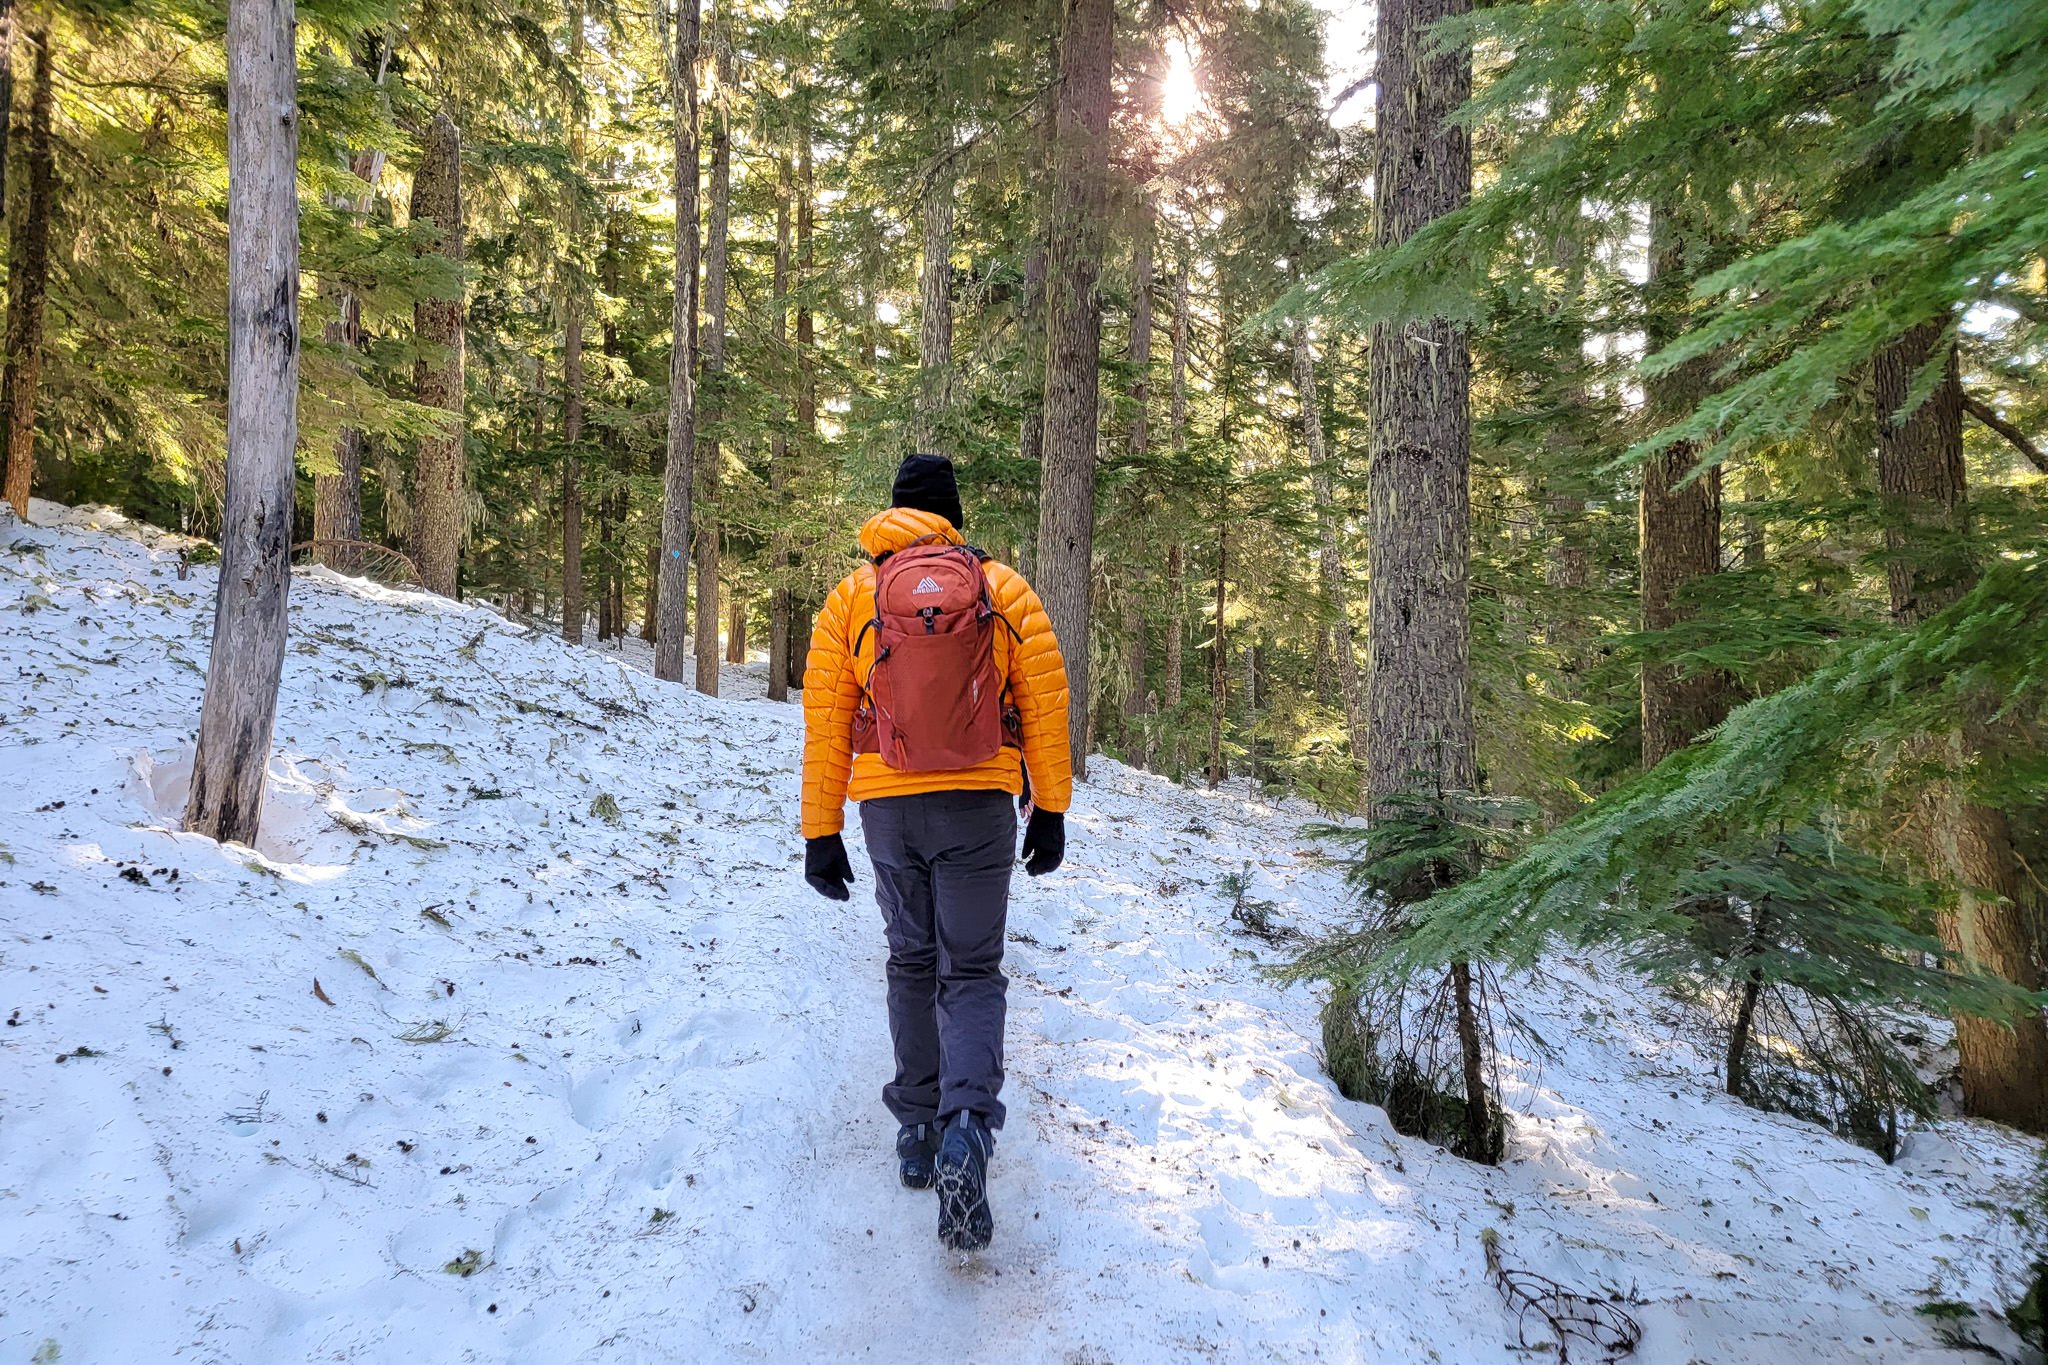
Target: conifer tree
[
  {"x": 711, "y": 405},
  {"x": 440, "y": 504},
  {"x": 1066, "y": 530},
  {"x": 680, "y": 469},
  {"x": 28, "y": 284}
]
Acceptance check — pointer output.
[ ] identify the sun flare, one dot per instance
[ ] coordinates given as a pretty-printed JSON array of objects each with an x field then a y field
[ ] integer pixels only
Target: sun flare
[{"x": 1181, "y": 95}]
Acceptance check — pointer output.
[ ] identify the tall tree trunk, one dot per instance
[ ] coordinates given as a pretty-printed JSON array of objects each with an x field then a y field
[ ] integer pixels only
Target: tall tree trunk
[
  {"x": 806, "y": 362},
  {"x": 1920, "y": 474},
  {"x": 779, "y": 642},
  {"x": 1177, "y": 625},
  {"x": 680, "y": 473},
  {"x": 603, "y": 592},
  {"x": 1031, "y": 332},
  {"x": 1031, "y": 329},
  {"x": 1419, "y": 682},
  {"x": 1138, "y": 437},
  {"x": 6, "y": 94},
  {"x": 1330, "y": 552},
  {"x": 712, "y": 408},
  {"x": 439, "y": 476},
  {"x": 1568, "y": 567},
  {"x": 934, "y": 404},
  {"x": 1219, "y": 663},
  {"x": 1680, "y": 522},
  {"x": 573, "y": 610},
  {"x": 616, "y": 457},
  {"x": 1066, "y": 526},
  {"x": 1219, "y": 650},
  {"x": 650, "y": 605},
  {"x": 932, "y": 410},
  {"x": 28, "y": 287},
  {"x": 606, "y": 566},
  {"x": 539, "y": 439},
  {"x": 1176, "y": 553},
  {"x": 1138, "y": 445},
  {"x": 1996, "y": 924},
  {"x": 249, "y": 621}
]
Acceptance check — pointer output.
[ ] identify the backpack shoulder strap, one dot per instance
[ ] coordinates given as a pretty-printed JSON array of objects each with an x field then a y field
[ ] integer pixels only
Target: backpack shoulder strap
[{"x": 988, "y": 591}]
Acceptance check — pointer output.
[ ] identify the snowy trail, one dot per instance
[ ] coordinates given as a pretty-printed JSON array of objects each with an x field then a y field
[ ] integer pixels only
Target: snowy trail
[{"x": 593, "y": 1042}]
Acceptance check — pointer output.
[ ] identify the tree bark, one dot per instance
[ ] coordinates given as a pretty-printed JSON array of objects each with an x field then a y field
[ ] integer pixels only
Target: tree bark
[
  {"x": 614, "y": 514},
  {"x": 1419, "y": 684},
  {"x": 6, "y": 94},
  {"x": 439, "y": 476},
  {"x": 1031, "y": 331},
  {"x": 680, "y": 472},
  {"x": 1419, "y": 675},
  {"x": 573, "y": 610},
  {"x": 1996, "y": 925},
  {"x": 1176, "y": 589},
  {"x": 1569, "y": 566},
  {"x": 1066, "y": 528},
  {"x": 28, "y": 287},
  {"x": 1679, "y": 526},
  {"x": 249, "y": 622},
  {"x": 779, "y": 642},
  {"x": 338, "y": 504},
  {"x": 1920, "y": 475},
  {"x": 1330, "y": 551},
  {"x": 806, "y": 365},
  {"x": 1138, "y": 445},
  {"x": 712, "y": 404},
  {"x": 736, "y": 630},
  {"x": 1219, "y": 665},
  {"x": 1176, "y": 553},
  {"x": 932, "y": 413}
]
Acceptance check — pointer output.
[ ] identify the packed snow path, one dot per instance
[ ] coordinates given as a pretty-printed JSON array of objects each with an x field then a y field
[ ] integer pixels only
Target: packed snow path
[{"x": 590, "y": 1075}]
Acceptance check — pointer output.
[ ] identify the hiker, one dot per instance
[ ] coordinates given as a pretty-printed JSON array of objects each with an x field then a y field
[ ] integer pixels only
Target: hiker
[{"x": 933, "y": 694}]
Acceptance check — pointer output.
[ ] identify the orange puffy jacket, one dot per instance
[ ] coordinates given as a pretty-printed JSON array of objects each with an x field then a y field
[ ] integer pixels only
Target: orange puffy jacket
[{"x": 834, "y": 676}]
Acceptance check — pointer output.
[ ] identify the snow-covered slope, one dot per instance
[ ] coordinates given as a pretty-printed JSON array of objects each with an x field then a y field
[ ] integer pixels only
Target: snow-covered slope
[{"x": 523, "y": 981}]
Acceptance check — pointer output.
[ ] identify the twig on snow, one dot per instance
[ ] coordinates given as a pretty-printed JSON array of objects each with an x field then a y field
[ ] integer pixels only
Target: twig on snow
[{"x": 1568, "y": 1315}]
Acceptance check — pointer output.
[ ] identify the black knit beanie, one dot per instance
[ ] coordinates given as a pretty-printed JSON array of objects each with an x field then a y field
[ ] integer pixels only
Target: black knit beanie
[{"x": 926, "y": 483}]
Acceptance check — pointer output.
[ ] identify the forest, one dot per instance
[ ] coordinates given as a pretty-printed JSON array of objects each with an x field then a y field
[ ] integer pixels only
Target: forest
[{"x": 1594, "y": 452}]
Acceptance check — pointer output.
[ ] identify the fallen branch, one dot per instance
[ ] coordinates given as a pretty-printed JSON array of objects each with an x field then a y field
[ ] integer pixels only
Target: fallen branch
[{"x": 1569, "y": 1316}]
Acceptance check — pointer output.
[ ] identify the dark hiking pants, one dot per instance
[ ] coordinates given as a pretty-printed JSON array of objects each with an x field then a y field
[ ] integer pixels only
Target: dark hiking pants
[{"x": 942, "y": 877}]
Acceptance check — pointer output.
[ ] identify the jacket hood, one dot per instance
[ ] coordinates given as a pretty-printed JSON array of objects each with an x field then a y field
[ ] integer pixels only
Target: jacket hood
[{"x": 900, "y": 527}]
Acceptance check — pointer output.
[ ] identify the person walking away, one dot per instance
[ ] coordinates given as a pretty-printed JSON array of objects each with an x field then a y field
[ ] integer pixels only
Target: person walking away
[{"x": 933, "y": 691}]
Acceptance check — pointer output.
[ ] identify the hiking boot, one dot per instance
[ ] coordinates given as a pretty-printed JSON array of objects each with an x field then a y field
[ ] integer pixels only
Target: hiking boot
[
  {"x": 965, "y": 1223},
  {"x": 917, "y": 1148}
]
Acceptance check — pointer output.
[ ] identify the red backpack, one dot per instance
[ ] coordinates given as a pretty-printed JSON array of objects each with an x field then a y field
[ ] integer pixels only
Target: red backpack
[{"x": 935, "y": 701}]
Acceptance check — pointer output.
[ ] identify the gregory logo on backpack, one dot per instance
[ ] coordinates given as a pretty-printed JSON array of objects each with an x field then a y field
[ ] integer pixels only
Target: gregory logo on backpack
[{"x": 934, "y": 689}]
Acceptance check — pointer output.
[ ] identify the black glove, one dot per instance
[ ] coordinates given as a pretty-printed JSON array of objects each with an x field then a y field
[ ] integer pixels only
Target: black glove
[
  {"x": 1045, "y": 842},
  {"x": 826, "y": 867}
]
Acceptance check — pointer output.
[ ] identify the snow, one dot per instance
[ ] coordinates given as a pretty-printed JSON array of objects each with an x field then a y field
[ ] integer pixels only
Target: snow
[{"x": 625, "y": 1068}]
